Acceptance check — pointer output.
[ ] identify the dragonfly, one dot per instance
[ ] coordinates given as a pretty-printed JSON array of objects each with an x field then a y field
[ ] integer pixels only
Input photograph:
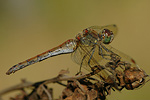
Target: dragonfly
[{"x": 90, "y": 49}]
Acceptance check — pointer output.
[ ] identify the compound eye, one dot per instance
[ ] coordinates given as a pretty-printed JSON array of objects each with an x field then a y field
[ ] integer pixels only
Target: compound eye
[{"x": 107, "y": 36}]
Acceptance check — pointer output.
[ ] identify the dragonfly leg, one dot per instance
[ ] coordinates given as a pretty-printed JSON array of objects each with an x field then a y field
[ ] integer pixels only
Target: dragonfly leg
[
  {"x": 93, "y": 50},
  {"x": 102, "y": 54},
  {"x": 81, "y": 63},
  {"x": 84, "y": 58}
]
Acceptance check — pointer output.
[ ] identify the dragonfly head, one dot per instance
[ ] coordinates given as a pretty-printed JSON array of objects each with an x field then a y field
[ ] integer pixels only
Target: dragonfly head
[{"x": 107, "y": 36}]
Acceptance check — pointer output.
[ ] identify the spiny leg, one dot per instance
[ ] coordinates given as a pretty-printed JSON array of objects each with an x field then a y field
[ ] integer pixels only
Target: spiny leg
[
  {"x": 103, "y": 56},
  {"x": 101, "y": 52},
  {"x": 81, "y": 63},
  {"x": 84, "y": 58},
  {"x": 93, "y": 50}
]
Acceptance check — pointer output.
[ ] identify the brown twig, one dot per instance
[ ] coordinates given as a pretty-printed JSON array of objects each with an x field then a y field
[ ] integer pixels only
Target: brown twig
[
  {"x": 23, "y": 84},
  {"x": 61, "y": 77}
]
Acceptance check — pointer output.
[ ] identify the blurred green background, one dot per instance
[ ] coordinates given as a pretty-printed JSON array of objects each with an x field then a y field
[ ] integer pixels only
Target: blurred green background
[{"x": 30, "y": 27}]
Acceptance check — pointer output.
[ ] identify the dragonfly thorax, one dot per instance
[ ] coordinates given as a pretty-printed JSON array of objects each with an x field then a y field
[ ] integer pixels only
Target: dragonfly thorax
[{"x": 88, "y": 37}]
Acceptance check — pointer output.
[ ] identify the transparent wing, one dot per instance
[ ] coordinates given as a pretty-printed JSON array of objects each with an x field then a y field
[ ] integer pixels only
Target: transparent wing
[
  {"x": 106, "y": 50},
  {"x": 83, "y": 54},
  {"x": 88, "y": 58},
  {"x": 100, "y": 55},
  {"x": 124, "y": 57}
]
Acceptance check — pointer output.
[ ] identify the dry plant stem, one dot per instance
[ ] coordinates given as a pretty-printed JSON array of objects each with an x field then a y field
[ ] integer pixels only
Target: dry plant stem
[
  {"x": 48, "y": 94},
  {"x": 80, "y": 86},
  {"x": 60, "y": 83},
  {"x": 63, "y": 77},
  {"x": 16, "y": 87},
  {"x": 60, "y": 77}
]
